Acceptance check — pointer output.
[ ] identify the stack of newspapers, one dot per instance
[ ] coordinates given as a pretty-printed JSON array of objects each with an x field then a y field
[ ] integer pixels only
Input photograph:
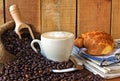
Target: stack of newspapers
[{"x": 106, "y": 66}]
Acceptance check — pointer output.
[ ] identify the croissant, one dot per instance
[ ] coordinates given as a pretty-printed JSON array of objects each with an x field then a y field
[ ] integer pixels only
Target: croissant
[{"x": 96, "y": 42}]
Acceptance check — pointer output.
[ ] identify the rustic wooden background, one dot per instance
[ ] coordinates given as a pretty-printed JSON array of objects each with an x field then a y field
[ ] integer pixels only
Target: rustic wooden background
[{"x": 75, "y": 16}]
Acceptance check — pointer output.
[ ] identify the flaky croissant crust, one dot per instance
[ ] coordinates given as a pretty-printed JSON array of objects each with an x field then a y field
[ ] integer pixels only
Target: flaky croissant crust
[{"x": 96, "y": 42}]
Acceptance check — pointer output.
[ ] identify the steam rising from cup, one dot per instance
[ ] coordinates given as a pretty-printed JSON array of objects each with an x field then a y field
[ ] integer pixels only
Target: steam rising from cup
[{"x": 52, "y": 11}]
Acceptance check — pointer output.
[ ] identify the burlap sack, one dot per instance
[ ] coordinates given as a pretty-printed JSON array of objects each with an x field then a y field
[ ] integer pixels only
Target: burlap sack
[{"x": 5, "y": 56}]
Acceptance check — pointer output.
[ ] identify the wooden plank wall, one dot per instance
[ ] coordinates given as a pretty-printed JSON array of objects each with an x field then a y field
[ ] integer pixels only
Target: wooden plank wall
[
  {"x": 115, "y": 19},
  {"x": 76, "y": 16},
  {"x": 1, "y": 12},
  {"x": 58, "y": 15},
  {"x": 93, "y": 15}
]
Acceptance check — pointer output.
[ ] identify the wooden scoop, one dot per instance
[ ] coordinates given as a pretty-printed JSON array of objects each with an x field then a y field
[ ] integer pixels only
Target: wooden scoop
[{"x": 14, "y": 11}]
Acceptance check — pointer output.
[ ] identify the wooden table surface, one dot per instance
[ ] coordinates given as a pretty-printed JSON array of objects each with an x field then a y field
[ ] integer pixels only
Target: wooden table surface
[{"x": 115, "y": 79}]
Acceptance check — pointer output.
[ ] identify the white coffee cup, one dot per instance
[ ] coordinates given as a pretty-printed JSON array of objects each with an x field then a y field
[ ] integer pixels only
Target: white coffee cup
[{"x": 55, "y": 45}]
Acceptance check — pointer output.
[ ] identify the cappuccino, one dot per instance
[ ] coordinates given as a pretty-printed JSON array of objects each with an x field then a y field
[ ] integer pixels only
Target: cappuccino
[{"x": 56, "y": 45}]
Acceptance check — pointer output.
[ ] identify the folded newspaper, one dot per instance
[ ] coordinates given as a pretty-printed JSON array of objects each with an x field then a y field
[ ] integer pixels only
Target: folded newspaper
[{"x": 109, "y": 69}]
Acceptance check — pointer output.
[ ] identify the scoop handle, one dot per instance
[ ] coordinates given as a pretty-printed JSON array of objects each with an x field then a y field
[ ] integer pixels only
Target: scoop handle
[{"x": 14, "y": 11}]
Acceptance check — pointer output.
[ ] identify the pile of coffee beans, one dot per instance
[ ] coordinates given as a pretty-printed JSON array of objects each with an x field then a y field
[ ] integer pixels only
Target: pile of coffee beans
[{"x": 30, "y": 66}]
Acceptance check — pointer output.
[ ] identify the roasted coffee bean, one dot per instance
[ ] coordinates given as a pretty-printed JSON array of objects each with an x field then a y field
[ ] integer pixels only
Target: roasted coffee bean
[{"x": 30, "y": 66}]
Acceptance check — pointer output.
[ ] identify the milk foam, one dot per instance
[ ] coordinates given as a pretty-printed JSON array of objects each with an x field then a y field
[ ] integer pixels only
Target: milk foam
[{"x": 57, "y": 35}]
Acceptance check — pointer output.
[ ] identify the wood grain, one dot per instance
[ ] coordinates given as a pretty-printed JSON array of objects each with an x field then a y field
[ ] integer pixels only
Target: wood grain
[
  {"x": 93, "y": 15},
  {"x": 29, "y": 9},
  {"x": 1, "y": 12},
  {"x": 59, "y": 15},
  {"x": 115, "y": 22},
  {"x": 114, "y": 79}
]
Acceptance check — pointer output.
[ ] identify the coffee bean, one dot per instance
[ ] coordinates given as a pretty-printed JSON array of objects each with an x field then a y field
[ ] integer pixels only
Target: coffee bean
[{"x": 30, "y": 66}]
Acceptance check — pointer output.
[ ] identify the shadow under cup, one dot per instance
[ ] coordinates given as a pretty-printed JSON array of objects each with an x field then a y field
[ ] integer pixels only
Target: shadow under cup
[{"x": 56, "y": 45}]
